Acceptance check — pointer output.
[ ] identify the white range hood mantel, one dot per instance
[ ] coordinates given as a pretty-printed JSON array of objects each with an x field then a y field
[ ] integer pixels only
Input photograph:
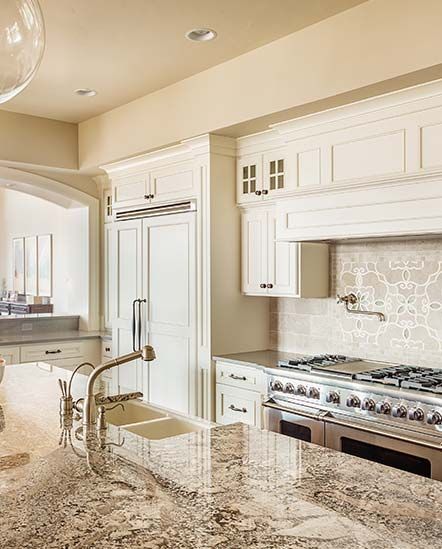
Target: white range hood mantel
[
  {"x": 406, "y": 207},
  {"x": 371, "y": 169}
]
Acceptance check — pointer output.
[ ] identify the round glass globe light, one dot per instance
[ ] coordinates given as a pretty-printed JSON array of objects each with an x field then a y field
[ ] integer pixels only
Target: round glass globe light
[{"x": 22, "y": 43}]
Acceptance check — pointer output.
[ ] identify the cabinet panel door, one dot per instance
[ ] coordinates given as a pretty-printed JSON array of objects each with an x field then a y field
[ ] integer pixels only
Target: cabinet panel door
[
  {"x": 254, "y": 252},
  {"x": 173, "y": 182},
  {"x": 170, "y": 288},
  {"x": 282, "y": 262},
  {"x": 127, "y": 287},
  {"x": 130, "y": 190}
]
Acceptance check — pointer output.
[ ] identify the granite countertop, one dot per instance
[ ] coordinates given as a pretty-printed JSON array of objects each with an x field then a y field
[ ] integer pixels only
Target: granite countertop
[
  {"x": 230, "y": 487},
  {"x": 257, "y": 359},
  {"x": 37, "y": 316},
  {"x": 45, "y": 337}
]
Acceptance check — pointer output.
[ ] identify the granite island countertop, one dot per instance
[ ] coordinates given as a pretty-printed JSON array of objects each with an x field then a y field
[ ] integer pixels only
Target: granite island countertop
[{"x": 230, "y": 487}]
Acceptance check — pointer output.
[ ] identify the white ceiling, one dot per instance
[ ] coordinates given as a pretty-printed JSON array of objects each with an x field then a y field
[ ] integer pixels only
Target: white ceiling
[{"x": 128, "y": 48}]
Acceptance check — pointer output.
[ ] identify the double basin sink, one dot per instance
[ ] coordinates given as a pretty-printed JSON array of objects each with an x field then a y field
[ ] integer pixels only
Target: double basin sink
[{"x": 152, "y": 423}]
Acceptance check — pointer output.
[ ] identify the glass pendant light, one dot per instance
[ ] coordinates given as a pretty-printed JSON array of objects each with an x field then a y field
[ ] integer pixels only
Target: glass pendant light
[{"x": 22, "y": 43}]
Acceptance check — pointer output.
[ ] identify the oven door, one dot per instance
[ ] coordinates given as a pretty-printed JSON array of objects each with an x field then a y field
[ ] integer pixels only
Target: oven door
[
  {"x": 420, "y": 455},
  {"x": 301, "y": 422}
]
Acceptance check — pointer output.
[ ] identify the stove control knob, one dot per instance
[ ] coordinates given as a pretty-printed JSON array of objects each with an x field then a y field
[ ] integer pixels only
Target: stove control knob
[
  {"x": 368, "y": 404},
  {"x": 301, "y": 390},
  {"x": 313, "y": 392},
  {"x": 333, "y": 397},
  {"x": 353, "y": 401},
  {"x": 383, "y": 408},
  {"x": 399, "y": 411},
  {"x": 434, "y": 418},
  {"x": 289, "y": 388},
  {"x": 416, "y": 414},
  {"x": 277, "y": 386}
]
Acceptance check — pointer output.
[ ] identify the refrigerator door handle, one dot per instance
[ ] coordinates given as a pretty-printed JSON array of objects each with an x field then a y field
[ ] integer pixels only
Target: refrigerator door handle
[
  {"x": 140, "y": 301},
  {"x": 134, "y": 324}
]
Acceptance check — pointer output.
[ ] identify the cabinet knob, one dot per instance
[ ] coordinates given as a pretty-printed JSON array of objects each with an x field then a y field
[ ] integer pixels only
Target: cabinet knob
[
  {"x": 265, "y": 191},
  {"x": 152, "y": 196},
  {"x": 270, "y": 286},
  {"x": 147, "y": 196},
  {"x": 258, "y": 193},
  {"x": 263, "y": 286}
]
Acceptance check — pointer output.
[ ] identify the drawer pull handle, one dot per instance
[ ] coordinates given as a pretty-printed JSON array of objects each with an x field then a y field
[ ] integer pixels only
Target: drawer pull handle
[
  {"x": 58, "y": 351},
  {"x": 235, "y": 409},
  {"x": 239, "y": 378}
]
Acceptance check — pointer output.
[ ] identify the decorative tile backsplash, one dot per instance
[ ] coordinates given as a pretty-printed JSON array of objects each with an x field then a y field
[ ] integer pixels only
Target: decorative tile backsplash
[{"x": 401, "y": 278}]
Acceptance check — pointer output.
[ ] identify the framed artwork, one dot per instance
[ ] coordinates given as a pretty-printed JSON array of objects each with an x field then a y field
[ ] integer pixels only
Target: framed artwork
[
  {"x": 18, "y": 252},
  {"x": 31, "y": 265},
  {"x": 44, "y": 265}
]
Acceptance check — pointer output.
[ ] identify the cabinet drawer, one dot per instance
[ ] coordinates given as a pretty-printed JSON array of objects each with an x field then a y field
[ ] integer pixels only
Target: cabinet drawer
[
  {"x": 49, "y": 352},
  {"x": 239, "y": 376},
  {"x": 234, "y": 405},
  {"x": 11, "y": 355}
]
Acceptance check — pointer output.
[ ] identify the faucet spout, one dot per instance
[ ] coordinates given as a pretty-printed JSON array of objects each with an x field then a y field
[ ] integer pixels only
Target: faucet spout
[{"x": 146, "y": 353}]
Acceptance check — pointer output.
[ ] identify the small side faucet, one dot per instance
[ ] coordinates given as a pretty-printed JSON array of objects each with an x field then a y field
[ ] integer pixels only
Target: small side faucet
[{"x": 351, "y": 299}]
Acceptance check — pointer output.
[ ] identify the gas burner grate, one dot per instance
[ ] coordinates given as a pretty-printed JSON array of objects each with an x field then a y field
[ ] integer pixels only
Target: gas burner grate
[
  {"x": 306, "y": 363},
  {"x": 407, "y": 377}
]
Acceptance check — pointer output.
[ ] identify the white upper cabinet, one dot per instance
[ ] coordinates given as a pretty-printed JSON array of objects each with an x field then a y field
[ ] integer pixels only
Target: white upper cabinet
[
  {"x": 356, "y": 171},
  {"x": 263, "y": 176},
  {"x": 277, "y": 268},
  {"x": 160, "y": 185},
  {"x": 254, "y": 251}
]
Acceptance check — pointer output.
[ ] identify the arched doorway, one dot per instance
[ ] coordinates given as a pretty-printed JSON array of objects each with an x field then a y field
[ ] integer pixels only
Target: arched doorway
[{"x": 69, "y": 198}]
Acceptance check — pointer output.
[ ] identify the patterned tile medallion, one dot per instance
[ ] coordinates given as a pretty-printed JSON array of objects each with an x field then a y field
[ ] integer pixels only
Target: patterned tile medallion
[{"x": 402, "y": 279}]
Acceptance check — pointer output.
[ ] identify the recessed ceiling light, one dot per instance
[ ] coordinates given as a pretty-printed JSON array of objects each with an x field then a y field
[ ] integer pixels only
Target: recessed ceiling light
[
  {"x": 201, "y": 35},
  {"x": 86, "y": 92}
]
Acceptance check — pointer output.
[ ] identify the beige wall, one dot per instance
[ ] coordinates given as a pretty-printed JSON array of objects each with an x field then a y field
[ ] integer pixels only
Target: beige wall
[
  {"x": 39, "y": 141},
  {"x": 373, "y": 42}
]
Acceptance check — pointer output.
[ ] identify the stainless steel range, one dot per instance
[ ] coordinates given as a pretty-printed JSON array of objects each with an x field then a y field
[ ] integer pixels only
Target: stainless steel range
[{"x": 387, "y": 413}]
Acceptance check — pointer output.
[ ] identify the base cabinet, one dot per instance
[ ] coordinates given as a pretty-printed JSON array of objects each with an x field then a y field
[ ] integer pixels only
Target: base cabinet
[
  {"x": 56, "y": 353},
  {"x": 239, "y": 394}
]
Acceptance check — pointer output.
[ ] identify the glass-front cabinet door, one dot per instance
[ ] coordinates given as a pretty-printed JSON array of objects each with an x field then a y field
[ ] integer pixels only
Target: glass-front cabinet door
[
  {"x": 249, "y": 178},
  {"x": 275, "y": 178}
]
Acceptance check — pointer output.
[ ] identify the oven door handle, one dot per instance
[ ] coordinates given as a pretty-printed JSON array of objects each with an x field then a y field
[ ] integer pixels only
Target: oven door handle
[
  {"x": 319, "y": 416},
  {"x": 382, "y": 432}
]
